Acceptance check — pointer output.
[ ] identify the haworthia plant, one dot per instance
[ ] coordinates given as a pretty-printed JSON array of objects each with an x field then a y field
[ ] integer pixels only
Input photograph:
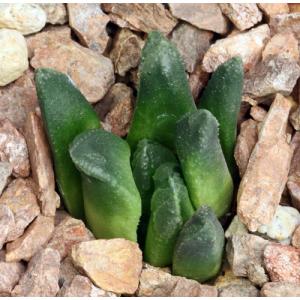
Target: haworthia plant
[
  {"x": 111, "y": 200},
  {"x": 66, "y": 113}
]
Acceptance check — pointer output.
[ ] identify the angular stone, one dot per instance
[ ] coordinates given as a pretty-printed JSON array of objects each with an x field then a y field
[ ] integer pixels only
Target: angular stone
[
  {"x": 242, "y": 15},
  {"x": 245, "y": 144},
  {"x": 258, "y": 113},
  {"x": 35, "y": 237},
  {"x": 56, "y": 13},
  {"x": 248, "y": 45},
  {"x": 197, "y": 81},
  {"x": 257, "y": 274},
  {"x": 286, "y": 23},
  {"x": 5, "y": 172},
  {"x": 67, "y": 234},
  {"x": 10, "y": 273},
  {"x": 236, "y": 227},
  {"x": 293, "y": 7},
  {"x": 41, "y": 276},
  {"x": 113, "y": 265},
  {"x": 41, "y": 164},
  {"x": 13, "y": 55},
  {"x": 154, "y": 282},
  {"x": 143, "y": 17},
  {"x": 89, "y": 23},
  {"x": 296, "y": 238},
  {"x": 92, "y": 73},
  {"x": 7, "y": 223},
  {"x": 60, "y": 216},
  {"x": 273, "y": 9},
  {"x": 295, "y": 119},
  {"x": 24, "y": 17},
  {"x": 116, "y": 108},
  {"x": 267, "y": 172},
  {"x": 22, "y": 202},
  {"x": 282, "y": 263},
  {"x": 67, "y": 272},
  {"x": 206, "y": 16},
  {"x": 280, "y": 289}
]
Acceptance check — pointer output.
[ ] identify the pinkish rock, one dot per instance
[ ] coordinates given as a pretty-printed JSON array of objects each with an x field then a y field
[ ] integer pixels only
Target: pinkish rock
[
  {"x": 248, "y": 45},
  {"x": 206, "y": 16},
  {"x": 5, "y": 172},
  {"x": 35, "y": 237},
  {"x": 258, "y": 113},
  {"x": 267, "y": 172},
  {"x": 56, "y": 13},
  {"x": 143, "y": 17},
  {"x": 273, "y": 9},
  {"x": 13, "y": 149},
  {"x": 296, "y": 238},
  {"x": 280, "y": 289},
  {"x": 286, "y": 23},
  {"x": 282, "y": 263},
  {"x": 67, "y": 272},
  {"x": 7, "y": 223},
  {"x": 89, "y": 23},
  {"x": 197, "y": 81},
  {"x": 60, "y": 216},
  {"x": 23, "y": 203},
  {"x": 295, "y": 118},
  {"x": 41, "y": 276},
  {"x": 242, "y": 15}
]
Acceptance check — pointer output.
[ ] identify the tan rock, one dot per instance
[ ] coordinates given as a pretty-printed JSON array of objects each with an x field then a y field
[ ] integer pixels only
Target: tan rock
[
  {"x": 206, "y": 16},
  {"x": 295, "y": 119},
  {"x": 280, "y": 289},
  {"x": 257, "y": 274},
  {"x": 258, "y": 113},
  {"x": 5, "y": 172},
  {"x": 286, "y": 23},
  {"x": 41, "y": 276},
  {"x": 245, "y": 144},
  {"x": 197, "y": 81},
  {"x": 56, "y": 13},
  {"x": 67, "y": 234},
  {"x": 92, "y": 73},
  {"x": 13, "y": 55},
  {"x": 273, "y": 9},
  {"x": 293, "y": 7},
  {"x": 236, "y": 227},
  {"x": 113, "y": 265},
  {"x": 116, "y": 108},
  {"x": 267, "y": 172},
  {"x": 242, "y": 15},
  {"x": 296, "y": 238},
  {"x": 7, "y": 223},
  {"x": 282, "y": 263},
  {"x": 192, "y": 43},
  {"x": 22, "y": 202},
  {"x": 41, "y": 164},
  {"x": 24, "y": 17},
  {"x": 89, "y": 23},
  {"x": 67, "y": 272},
  {"x": 10, "y": 273},
  {"x": 35, "y": 237},
  {"x": 143, "y": 17},
  {"x": 248, "y": 45},
  {"x": 154, "y": 282}
]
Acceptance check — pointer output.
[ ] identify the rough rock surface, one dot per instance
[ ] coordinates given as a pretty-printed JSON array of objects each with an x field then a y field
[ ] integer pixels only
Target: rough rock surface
[
  {"x": 273, "y": 9},
  {"x": 113, "y": 265},
  {"x": 7, "y": 223},
  {"x": 286, "y": 23},
  {"x": 13, "y": 55},
  {"x": 41, "y": 276},
  {"x": 24, "y": 17},
  {"x": 236, "y": 227},
  {"x": 296, "y": 238},
  {"x": 56, "y": 13},
  {"x": 258, "y": 113},
  {"x": 248, "y": 45},
  {"x": 263, "y": 183},
  {"x": 89, "y": 23},
  {"x": 293, "y": 7},
  {"x": 295, "y": 119},
  {"x": 5, "y": 172},
  {"x": 280, "y": 289},
  {"x": 67, "y": 272},
  {"x": 242, "y": 15},
  {"x": 206, "y": 16},
  {"x": 197, "y": 81}
]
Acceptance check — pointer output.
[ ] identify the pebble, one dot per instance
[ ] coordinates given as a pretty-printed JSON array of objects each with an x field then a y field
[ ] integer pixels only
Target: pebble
[
  {"x": 296, "y": 238},
  {"x": 7, "y": 223},
  {"x": 236, "y": 227},
  {"x": 280, "y": 289},
  {"x": 295, "y": 118},
  {"x": 198, "y": 81},
  {"x": 258, "y": 113},
  {"x": 56, "y": 13},
  {"x": 67, "y": 272},
  {"x": 13, "y": 54},
  {"x": 293, "y": 7},
  {"x": 113, "y": 265},
  {"x": 286, "y": 23},
  {"x": 5, "y": 172},
  {"x": 273, "y": 9}
]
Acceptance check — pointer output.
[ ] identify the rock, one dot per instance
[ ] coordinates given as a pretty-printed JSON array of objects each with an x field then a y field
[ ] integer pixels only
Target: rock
[
  {"x": 192, "y": 43},
  {"x": 24, "y": 17},
  {"x": 206, "y": 16},
  {"x": 89, "y": 23},
  {"x": 67, "y": 234},
  {"x": 10, "y": 273},
  {"x": 236, "y": 227},
  {"x": 41, "y": 276},
  {"x": 257, "y": 274},
  {"x": 258, "y": 113},
  {"x": 56, "y": 13},
  {"x": 197, "y": 81},
  {"x": 295, "y": 119},
  {"x": 126, "y": 51},
  {"x": 286, "y": 23},
  {"x": 67, "y": 272},
  {"x": 7, "y": 223},
  {"x": 273, "y": 9},
  {"x": 116, "y": 108},
  {"x": 5, "y": 172},
  {"x": 22, "y": 202},
  {"x": 241, "y": 250},
  {"x": 143, "y": 17},
  {"x": 35, "y": 237},
  {"x": 293, "y": 7},
  {"x": 264, "y": 180},
  {"x": 113, "y": 265},
  {"x": 280, "y": 289},
  {"x": 282, "y": 263},
  {"x": 248, "y": 45},
  {"x": 242, "y": 15},
  {"x": 245, "y": 144},
  {"x": 13, "y": 149},
  {"x": 283, "y": 224},
  {"x": 282, "y": 44},
  {"x": 154, "y": 282},
  {"x": 13, "y": 54},
  {"x": 60, "y": 216},
  {"x": 296, "y": 238},
  {"x": 92, "y": 73},
  {"x": 41, "y": 164}
]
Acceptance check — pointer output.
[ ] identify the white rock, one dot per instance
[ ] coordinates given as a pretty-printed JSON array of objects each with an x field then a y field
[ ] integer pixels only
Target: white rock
[
  {"x": 13, "y": 55},
  {"x": 24, "y": 17}
]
